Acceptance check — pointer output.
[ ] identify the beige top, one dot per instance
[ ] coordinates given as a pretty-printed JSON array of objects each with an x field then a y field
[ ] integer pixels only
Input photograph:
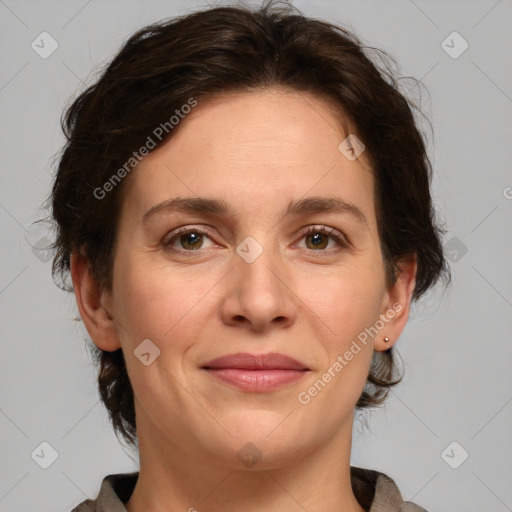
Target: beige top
[{"x": 375, "y": 492}]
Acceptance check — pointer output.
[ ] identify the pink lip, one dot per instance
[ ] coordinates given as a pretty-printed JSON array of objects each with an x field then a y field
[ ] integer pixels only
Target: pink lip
[{"x": 249, "y": 372}]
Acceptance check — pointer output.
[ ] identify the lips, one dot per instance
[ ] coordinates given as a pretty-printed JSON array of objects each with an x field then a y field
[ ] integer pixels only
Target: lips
[
  {"x": 256, "y": 373},
  {"x": 255, "y": 362}
]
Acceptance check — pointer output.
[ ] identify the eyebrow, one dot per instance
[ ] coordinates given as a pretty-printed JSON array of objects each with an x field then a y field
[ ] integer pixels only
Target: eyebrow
[{"x": 219, "y": 207}]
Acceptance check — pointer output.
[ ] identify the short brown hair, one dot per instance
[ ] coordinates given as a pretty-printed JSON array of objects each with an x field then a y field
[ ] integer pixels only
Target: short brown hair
[{"x": 234, "y": 49}]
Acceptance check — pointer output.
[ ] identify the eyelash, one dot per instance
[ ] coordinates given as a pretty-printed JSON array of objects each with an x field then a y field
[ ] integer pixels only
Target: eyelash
[{"x": 332, "y": 233}]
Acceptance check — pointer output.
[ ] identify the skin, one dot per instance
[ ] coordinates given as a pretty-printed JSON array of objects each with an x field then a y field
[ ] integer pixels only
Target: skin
[{"x": 258, "y": 152}]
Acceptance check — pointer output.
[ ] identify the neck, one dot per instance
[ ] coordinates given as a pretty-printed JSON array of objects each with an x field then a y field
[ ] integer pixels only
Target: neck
[{"x": 173, "y": 476}]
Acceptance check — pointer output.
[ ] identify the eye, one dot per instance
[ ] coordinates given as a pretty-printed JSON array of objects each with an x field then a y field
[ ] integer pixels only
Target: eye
[
  {"x": 318, "y": 238},
  {"x": 187, "y": 239}
]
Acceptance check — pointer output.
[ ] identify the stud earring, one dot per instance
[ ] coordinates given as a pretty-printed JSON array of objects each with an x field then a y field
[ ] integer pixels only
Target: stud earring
[{"x": 386, "y": 340}]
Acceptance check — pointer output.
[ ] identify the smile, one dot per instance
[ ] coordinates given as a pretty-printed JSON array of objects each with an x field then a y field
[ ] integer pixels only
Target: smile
[{"x": 256, "y": 373}]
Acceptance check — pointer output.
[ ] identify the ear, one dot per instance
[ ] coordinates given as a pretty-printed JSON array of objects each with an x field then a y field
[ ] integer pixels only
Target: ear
[
  {"x": 397, "y": 305},
  {"x": 92, "y": 304}
]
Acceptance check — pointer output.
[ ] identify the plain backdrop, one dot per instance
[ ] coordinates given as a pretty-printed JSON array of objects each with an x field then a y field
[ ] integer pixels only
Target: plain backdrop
[{"x": 444, "y": 435}]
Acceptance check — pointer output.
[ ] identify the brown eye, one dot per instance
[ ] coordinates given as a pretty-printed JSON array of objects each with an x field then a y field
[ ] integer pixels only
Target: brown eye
[
  {"x": 192, "y": 240},
  {"x": 317, "y": 241},
  {"x": 323, "y": 239},
  {"x": 187, "y": 240}
]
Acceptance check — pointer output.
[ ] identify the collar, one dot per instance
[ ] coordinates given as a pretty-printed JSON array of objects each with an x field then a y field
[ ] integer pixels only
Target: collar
[{"x": 375, "y": 492}]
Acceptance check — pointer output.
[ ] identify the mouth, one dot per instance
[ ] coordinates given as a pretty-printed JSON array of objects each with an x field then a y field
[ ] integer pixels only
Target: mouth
[{"x": 256, "y": 373}]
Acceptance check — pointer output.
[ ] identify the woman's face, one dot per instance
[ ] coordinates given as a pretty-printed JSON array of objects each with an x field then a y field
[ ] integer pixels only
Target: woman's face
[{"x": 278, "y": 253}]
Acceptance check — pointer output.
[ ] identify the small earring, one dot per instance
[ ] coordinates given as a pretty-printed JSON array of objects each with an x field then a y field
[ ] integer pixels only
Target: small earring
[{"x": 386, "y": 340}]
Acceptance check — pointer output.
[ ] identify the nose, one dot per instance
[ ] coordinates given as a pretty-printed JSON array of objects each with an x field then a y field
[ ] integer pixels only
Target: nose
[{"x": 260, "y": 295}]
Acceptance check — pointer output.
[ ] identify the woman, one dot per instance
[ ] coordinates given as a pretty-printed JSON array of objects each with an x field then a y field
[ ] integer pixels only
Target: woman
[{"x": 244, "y": 208}]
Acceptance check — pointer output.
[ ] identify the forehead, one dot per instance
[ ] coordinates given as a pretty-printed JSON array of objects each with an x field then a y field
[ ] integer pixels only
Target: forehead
[{"x": 253, "y": 147}]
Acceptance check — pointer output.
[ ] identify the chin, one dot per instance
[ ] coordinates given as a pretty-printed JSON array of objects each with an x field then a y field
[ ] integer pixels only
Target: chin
[{"x": 261, "y": 440}]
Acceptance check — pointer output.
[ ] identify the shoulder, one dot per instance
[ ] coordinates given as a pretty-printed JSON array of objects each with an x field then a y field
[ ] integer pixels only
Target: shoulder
[
  {"x": 376, "y": 492},
  {"x": 114, "y": 491}
]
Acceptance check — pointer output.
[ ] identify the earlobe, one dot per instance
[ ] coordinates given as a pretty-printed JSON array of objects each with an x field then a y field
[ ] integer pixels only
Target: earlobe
[
  {"x": 90, "y": 299},
  {"x": 397, "y": 305}
]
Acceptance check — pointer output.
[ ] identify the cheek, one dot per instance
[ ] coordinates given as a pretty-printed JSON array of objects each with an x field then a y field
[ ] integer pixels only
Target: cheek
[
  {"x": 163, "y": 306},
  {"x": 346, "y": 305},
  {"x": 347, "y": 301},
  {"x": 155, "y": 302}
]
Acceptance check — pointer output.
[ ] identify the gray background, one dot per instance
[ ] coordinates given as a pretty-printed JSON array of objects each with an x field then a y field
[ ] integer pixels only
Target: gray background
[{"x": 456, "y": 346}]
